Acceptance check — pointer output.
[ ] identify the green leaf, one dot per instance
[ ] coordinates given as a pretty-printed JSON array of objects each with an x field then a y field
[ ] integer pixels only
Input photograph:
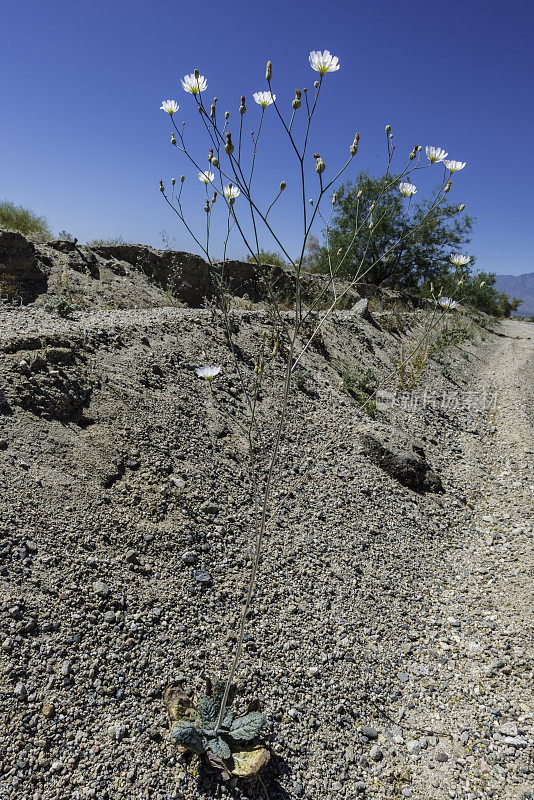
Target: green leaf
[
  {"x": 218, "y": 692},
  {"x": 249, "y": 762},
  {"x": 247, "y": 727},
  {"x": 219, "y": 747},
  {"x": 208, "y": 712},
  {"x": 227, "y": 719},
  {"x": 186, "y": 735}
]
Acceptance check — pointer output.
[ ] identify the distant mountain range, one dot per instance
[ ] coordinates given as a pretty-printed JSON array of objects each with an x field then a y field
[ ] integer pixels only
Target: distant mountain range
[{"x": 519, "y": 286}]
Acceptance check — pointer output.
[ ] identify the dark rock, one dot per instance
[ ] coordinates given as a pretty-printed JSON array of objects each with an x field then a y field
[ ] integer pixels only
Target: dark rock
[{"x": 410, "y": 470}]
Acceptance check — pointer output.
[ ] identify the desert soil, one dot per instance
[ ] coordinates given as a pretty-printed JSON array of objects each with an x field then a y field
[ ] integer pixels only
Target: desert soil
[{"x": 391, "y": 643}]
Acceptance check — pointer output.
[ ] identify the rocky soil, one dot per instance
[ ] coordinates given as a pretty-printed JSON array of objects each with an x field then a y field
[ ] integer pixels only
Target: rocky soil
[{"x": 391, "y": 644}]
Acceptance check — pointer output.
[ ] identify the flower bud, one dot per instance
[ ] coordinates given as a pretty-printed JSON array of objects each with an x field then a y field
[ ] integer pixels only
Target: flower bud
[
  {"x": 229, "y": 147},
  {"x": 242, "y": 107},
  {"x": 214, "y": 198},
  {"x": 316, "y": 84},
  {"x": 296, "y": 102},
  {"x": 182, "y": 178},
  {"x": 334, "y": 199},
  {"x": 413, "y": 155},
  {"x": 161, "y": 186},
  {"x": 354, "y": 146},
  {"x": 227, "y": 115},
  {"x": 212, "y": 112},
  {"x": 173, "y": 140},
  {"x": 419, "y": 148},
  {"x": 320, "y": 166},
  {"x": 173, "y": 181},
  {"x": 207, "y": 206},
  {"x": 311, "y": 201},
  {"x": 268, "y": 71},
  {"x": 214, "y": 162},
  {"x": 448, "y": 186},
  {"x": 388, "y": 129},
  {"x": 461, "y": 207},
  {"x": 482, "y": 284},
  {"x": 210, "y": 154},
  {"x": 360, "y": 194},
  {"x": 197, "y": 74},
  {"x": 462, "y": 279},
  {"x": 339, "y": 251},
  {"x": 283, "y": 186}
]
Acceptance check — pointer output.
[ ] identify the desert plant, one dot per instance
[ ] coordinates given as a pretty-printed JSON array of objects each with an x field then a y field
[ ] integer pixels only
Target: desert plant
[
  {"x": 18, "y": 218},
  {"x": 226, "y": 183},
  {"x": 60, "y": 306},
  {"x": 231, "y": 747},
  {"x": 266, "y": 257}
]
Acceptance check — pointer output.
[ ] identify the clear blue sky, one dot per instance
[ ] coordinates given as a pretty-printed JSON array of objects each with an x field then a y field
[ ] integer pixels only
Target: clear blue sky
[{"x": 84, "y": 141}]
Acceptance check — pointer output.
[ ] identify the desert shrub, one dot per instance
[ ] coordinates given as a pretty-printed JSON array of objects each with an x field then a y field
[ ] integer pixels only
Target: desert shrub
[
  {"x": 18, "y": 218},
  {"x": 418, "y": 257},
  {"x": 267, "y": 257},
  {"x": 112, "y": 242}
]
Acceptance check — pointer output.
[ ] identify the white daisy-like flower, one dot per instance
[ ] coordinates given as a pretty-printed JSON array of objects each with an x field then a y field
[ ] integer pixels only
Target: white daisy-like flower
[
  {"x": 459, "y": 260},
  {"x": 447, "y": 302},
  {"x": 455, "y": 166},
  {"x": 323, "y": 62},
  {"x": 209, "y": 372},
  {"x": 231, "y": 192},
  {"x": 435, "y": 154},
  {"x": 264, "y": 99},
  {"x": 170, "y": 106},
  {"x": 194, "y": 85},
  {"x": 206, "y": 177},
  {"x": 407, "y": 189}
]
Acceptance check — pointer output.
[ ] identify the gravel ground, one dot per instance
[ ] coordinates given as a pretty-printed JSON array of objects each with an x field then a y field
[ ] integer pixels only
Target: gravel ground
[{"x": 391, "y": 642}]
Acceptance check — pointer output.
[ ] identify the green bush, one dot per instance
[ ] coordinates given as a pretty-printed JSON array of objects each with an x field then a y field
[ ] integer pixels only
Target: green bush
[
  {"x": 18, "y": 218},
  {"x": 118, "y": 240},
  {"x": 268, "y": 257}
]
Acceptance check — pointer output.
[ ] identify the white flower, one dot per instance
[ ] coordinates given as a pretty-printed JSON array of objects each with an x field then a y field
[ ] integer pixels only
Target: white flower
[
  {"x": 208, "y": 372},
  {"x": 194, "y": 85},
  {"x": 455, "y": 166},
  {"x": 206, "y": 177},
  {"x": 231, "y": 192},
  {"x": 435, "y": 154},
  {"x": 459, "y": 261},
  {"x": 323, "y": 62},
  {"x": 170, "y": 106},
  {"x": 264, "y": 99},
  {"x": 407, "y": 189},
  {"x": 447, "y": 302}
]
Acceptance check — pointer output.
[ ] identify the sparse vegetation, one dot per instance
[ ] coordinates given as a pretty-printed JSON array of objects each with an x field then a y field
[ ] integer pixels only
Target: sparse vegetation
[{"x": 23, "y": 220}]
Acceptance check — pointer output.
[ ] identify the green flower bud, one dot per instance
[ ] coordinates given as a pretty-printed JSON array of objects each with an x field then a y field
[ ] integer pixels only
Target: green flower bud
[
  {"x": 173, "y": 140},
  {"x": 316, "y": 84},
  {"x": 461, "y": 207},
  {"x": 227, "y": 115},
  {"x": 268, "y": 71},
  {"x": 242, "y": 107},
  {"x": 296, "y": 102},
  {"x": 320, "y": 166},
  {"x": 161, "y": 186},
  {"x": 212, "y": 112},
  {"x": 229, "y": 147},
  {"x": 173, "y": 181},
  {"x": 214, "y": 162},
  {"x": 388, "y": 129},
  {"x": 210, "y": 154},
  {"x": 283, "y": 186},
  {"x": 207, "y": 206},
  {"x": 197, "y": 74},
  {"x": 360, "y": 194},
  {"x": 182, "y": 178}
]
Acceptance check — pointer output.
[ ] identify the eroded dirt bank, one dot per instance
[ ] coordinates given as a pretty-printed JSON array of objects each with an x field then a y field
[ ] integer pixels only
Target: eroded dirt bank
[{"x": 391, "y": 646}]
